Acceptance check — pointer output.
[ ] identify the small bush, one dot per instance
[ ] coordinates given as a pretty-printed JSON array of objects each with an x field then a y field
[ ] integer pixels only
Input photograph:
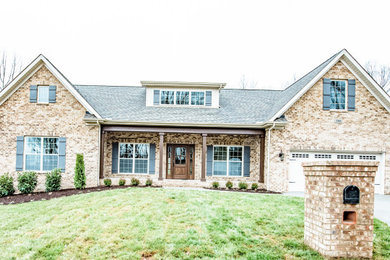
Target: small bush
[
  {"x": 107, "y": 182},
  {"x": 134, "y": 182},
  {"x": 6, "y": 185},
  {"x": 27, "y": 182},
  {"x": 122, "y": 182},
  {"x": 79, "y": 172},
  {"x": 229, "y": 185},
  {"x": 243, "y": 186},
  {"x": 148, "y": 182},
  {"x": 255, "y": 186},
  {"x": 53, "y": 180},
  {"x": 215, "y": 184}
]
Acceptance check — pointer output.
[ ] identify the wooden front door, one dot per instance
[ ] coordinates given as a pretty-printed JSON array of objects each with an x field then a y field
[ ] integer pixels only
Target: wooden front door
[{"x": 180, "y": 161}]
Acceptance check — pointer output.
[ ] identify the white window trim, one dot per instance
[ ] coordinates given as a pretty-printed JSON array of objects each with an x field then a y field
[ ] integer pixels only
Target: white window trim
[
  {"x": 41, "y": 154},
  {"x": 133, "y": 159},
  {"x": 48, "y": 94},
  {"x": 346, "y": 95},
  {"x": 227, "y": 161},
  {"x": 181, "y": 105}
]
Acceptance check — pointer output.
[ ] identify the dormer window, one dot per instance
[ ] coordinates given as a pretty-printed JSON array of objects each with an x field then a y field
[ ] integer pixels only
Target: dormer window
[
  {"x": 182, "y": 97},
  {"x": 43, "y": 94},
  {"x": 197, "y": 98},
  {"x": 167, "y": 97}
]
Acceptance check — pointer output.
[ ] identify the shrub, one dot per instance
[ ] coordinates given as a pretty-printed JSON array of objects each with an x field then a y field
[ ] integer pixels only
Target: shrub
[
  {"x": 27, "y": 181},
  {"x": 53, "y": 180},
  {"x": 255, "y": 186},
  {"x": 134, "y": 182},
  {"x": 229, "y": 185},
  {"x": 6, "y": 185},
  {"x": 107, "y": 182},
  {"x": 79, "y": 172},
  {"x": 122, "y": 182},
  {"x": 148, "y": 182},
  {"x": 243, "y": 185},
  {"x": 215, "y": 184}
]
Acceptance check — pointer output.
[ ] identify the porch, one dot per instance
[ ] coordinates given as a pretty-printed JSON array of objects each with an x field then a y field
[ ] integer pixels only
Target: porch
[{"x": 181, "y": 156}]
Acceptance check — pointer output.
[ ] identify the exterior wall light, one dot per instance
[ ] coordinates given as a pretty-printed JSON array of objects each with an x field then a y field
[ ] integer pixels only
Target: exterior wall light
[{"x": 281, "y": 156}]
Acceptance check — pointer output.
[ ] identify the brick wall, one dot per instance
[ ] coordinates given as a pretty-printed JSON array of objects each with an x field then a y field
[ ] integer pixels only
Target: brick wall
[
  {"x": 325, "y": 229},
  {"x": 19, "y": 117},
  {"x": 312, "y": 128}
]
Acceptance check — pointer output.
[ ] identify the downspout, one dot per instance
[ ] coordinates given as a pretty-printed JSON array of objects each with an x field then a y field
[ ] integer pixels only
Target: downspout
[
  {"x": 99, "y": 156},
  {"x": 268, "y": 148}
]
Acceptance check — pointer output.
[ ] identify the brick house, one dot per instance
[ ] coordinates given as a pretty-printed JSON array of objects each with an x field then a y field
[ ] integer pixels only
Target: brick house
[{"x": 194, "y": 133}]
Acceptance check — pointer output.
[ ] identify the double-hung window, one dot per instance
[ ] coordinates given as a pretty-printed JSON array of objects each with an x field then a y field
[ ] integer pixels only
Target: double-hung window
[
  {"x": 338, "y": 90},
  {"x": 41, "y": 153},
  {"x": 43, "y": 94},
  {"x": 228, "y": 160},
  {"x": 133, "y": 158}
]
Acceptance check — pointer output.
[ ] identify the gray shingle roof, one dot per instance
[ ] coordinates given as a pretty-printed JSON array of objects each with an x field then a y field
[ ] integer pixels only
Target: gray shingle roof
[{"x": 237, "y": 106}]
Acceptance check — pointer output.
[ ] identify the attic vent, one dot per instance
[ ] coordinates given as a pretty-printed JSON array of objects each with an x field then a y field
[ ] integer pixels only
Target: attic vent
[
  {"x": 345, "y": 156},
  {"x": 367, "y": 157},
  {"x": 300, "y": 155}
]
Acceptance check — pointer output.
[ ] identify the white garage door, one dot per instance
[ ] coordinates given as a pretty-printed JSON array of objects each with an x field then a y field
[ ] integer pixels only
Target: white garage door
[{"x": 295, "y": 172}]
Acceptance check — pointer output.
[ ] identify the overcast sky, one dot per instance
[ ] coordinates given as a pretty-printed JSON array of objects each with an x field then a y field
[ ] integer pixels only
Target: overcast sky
[{"x": 123, "y": 42}]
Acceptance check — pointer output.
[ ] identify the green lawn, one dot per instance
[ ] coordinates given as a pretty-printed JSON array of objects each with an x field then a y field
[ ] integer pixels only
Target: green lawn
[{"x": 161, "y": 223}]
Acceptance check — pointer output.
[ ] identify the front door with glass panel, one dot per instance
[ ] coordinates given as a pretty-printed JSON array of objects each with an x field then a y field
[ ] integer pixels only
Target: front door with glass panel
[{"x": 180, "y": 161}]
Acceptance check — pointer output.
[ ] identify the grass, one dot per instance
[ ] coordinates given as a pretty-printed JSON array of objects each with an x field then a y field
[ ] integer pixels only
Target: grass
[{"x": 161, "y": 223}]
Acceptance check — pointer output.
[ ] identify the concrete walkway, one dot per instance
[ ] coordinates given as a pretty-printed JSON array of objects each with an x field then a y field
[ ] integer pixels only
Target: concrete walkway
[{"x": 381, "y": 205}]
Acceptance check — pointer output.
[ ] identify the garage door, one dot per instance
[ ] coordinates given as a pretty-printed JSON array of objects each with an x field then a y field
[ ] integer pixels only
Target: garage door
[{"x": 295, "y": 171}]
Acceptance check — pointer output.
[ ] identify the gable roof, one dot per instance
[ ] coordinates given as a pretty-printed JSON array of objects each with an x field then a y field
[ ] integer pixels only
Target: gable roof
[
  {"x": 290, "y": 95},
  {"x": 33, "y": 67}
]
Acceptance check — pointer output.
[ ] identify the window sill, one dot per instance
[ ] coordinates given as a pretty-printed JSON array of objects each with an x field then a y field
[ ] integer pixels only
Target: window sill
[
  {"x": 339, "y": 110},
  {"x": 43, "y": 104}
]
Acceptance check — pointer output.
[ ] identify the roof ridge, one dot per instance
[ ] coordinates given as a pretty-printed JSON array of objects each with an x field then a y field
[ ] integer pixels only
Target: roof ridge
[{"x": 99, "y": 85}]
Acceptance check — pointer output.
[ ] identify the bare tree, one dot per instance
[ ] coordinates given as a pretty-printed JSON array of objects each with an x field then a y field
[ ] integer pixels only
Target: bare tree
[
  {"x": 381, "y": 73},
  {"x": 9, "y": 68},
  {"x": 245, "y": 83}
]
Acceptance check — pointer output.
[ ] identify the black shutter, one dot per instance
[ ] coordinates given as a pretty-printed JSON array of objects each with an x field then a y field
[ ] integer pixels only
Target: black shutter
[
  {"x": 52, "y": 94},
  {"x": 351, "y": 94},
  {"x": 115, "y": 158},
  {"x": 19, "y": 153},
  {"x": 326, "y": 94},
  {"x": 152, "y": 159},
  {"x": 247, "y": 160},
  {"x": 33, "y": 93}
]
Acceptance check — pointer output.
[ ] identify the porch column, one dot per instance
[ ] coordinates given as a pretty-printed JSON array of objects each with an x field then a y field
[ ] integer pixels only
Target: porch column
[
  {"x": 204, "y": 151},
  {"x": 262, "y": 156},
  {"x": 101, "y": 166},
  {"x": 160, "y": 165}
]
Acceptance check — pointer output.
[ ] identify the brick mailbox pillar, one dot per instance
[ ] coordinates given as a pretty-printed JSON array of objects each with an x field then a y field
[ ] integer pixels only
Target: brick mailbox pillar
[{"x": 339, "y": 207}]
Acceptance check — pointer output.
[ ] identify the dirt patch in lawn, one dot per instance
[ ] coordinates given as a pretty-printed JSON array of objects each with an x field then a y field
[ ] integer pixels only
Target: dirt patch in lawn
[{"x": 37, "y": 196}]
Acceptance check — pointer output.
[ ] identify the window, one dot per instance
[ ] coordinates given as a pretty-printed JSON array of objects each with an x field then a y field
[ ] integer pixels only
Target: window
[
  {"x": 300, "y": 155},
  {"x": 228, "y": 160},
  {"x": 367, "y": 157},
  {"x": 182, "y": 97},
  {"x": 323, "y": 156},
  {"x": 43, "y": 94},
  {"x": 41, "y": 153},
  {"x": 337, "y": 94},
  {"x": 197, "y": 98},
  {"x": 167, "y": 97},
  {"x": 345, "y": 157},
  {"x": 133, "y": 158}
]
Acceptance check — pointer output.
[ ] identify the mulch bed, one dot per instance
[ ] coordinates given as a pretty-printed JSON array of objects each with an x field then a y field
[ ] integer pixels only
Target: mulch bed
[
  {"x": 246, "y": 191},
  {"x": 36, "y": 196}
]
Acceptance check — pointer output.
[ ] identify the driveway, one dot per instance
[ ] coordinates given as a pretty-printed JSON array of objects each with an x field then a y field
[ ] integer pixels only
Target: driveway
[{"x": 381, "y": 205}]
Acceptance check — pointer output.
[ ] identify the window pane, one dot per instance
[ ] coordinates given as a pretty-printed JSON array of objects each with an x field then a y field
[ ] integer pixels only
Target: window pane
[
  {"x": 50, "y": 162},
  {"x": 220, "y": 153},
  {"x": 337, "y": 94},
  {"x": 33, "y": 145},
  {"x": 235, "y": 153},
  {"x": 180, "y": 155},
  {"x": 141, "y": 151},
  {"x": 126, "y": 151},
  {"x": 167, "y": 97},
  {"x": 50, "y": 145},
  {"x": 141, "y": 166},
  {"x": 235, "y": 168},
  {"x": 125, "y": 165},
  {"x": 33, "y": 162},
  {"x": 220, "y": 168},
  {"x": 182, "y": 97},
  {"x": 43, "y": 94},
  {"x": 197, "y": 98}
]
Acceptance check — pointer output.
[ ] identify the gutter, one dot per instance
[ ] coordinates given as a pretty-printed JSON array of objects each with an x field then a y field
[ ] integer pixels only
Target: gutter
[{"x": 268, "y": 152}]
